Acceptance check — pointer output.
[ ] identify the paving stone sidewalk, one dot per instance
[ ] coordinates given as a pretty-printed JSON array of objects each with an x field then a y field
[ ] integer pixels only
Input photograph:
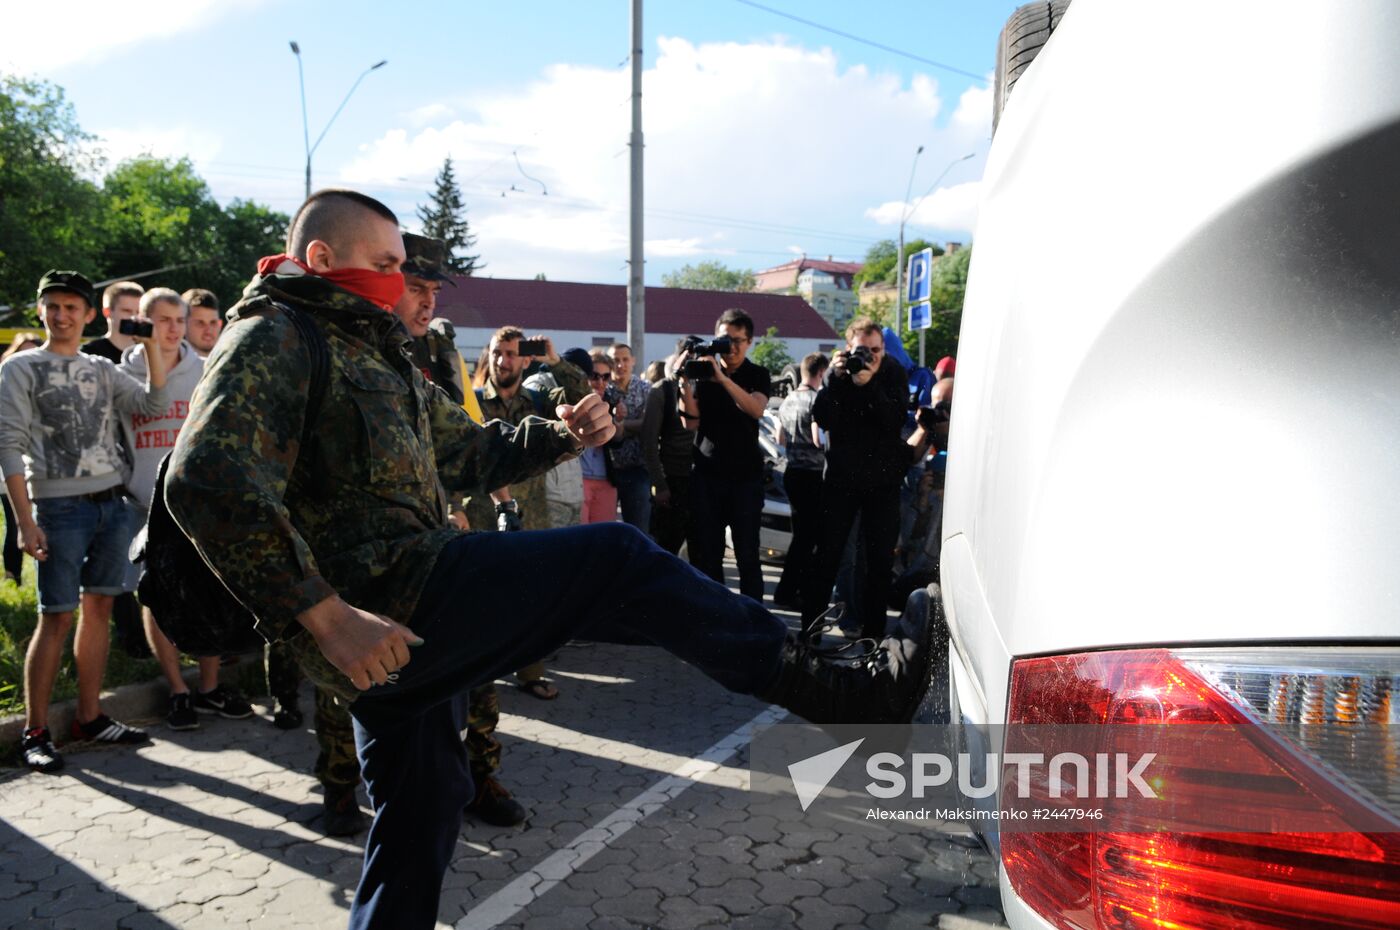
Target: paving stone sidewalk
[{"x": 218, "y": 828}]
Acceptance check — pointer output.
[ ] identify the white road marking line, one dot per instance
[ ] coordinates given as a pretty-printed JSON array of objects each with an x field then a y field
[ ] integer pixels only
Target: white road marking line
[{"x": 520, "y": 893}]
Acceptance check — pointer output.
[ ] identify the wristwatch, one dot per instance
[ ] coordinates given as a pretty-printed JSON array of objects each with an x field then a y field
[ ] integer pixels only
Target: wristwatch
[{"x": 508, "y": 516}]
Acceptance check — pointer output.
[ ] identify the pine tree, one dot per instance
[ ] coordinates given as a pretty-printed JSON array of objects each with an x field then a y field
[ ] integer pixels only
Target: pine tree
[{"x": 445, "y": 218}]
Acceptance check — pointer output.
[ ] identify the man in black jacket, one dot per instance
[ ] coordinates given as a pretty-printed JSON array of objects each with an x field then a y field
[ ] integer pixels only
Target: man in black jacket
[{"x": 863, "y": 408}]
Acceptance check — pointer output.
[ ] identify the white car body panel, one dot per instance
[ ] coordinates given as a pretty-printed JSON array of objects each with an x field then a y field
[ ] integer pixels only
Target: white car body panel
[{"x": 1177, "y": 417}]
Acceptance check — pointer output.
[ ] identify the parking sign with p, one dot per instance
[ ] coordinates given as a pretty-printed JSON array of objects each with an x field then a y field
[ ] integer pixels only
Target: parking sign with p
[{"x": 918, "y": 287}]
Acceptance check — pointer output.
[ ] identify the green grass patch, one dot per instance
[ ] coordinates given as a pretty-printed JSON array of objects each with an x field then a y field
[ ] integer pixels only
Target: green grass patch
[{"x": 19, "y": 614}]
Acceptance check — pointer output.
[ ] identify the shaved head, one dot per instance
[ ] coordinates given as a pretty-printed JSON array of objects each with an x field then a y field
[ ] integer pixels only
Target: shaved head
[{"x": 336, "y": 217}]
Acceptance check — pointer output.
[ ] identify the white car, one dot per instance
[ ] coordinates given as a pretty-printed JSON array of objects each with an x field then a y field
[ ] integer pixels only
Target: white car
[{"x": 1173, "y": 456}]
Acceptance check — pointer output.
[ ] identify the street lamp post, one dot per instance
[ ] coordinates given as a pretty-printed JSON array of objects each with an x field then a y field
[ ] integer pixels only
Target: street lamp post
[
  {"x": 899, "y": 255},
  {"x": 910, "y": 211},
  {"x": 305, "y": 127}
]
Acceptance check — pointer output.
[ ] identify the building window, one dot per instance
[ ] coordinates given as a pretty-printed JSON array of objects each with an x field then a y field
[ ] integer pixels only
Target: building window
[
  {"x": 837, "y": 307},
  {"x": 821, "y": 305},
  {"x": 603, "y": 342}
]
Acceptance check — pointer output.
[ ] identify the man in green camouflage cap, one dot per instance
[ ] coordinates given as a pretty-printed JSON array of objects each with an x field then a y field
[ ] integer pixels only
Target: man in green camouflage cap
[{"x": 434, "y": 350}]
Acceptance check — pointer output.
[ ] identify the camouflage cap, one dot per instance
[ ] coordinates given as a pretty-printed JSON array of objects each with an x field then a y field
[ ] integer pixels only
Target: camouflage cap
[
  {"x": 427, "y": 258},
  {"x": 74, "y": 281}
]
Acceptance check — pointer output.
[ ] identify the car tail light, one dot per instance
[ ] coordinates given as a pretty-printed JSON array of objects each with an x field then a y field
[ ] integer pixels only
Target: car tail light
[{"x": 1333, "y": 720}]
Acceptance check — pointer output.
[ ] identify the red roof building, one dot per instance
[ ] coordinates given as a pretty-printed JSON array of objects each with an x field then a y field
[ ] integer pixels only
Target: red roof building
[
  {"x": 828, "y": 286},
  {"x": 596, "y": 314}
]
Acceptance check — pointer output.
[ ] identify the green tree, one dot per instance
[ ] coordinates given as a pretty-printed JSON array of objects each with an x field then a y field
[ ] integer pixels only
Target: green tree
[
  {"x": 247, "y": 232},
  {"x": 445, "y": 218},
  {"x": 158, "y": 213},
  {"x": 49, "y": 211},
  {"x": 710, "y": 276},
  {"x": 770, "y": 352},
  {"x": 880, "y": 258}
]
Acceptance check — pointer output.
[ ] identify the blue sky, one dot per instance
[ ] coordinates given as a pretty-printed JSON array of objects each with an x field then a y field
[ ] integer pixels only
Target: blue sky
[{"x": 766, "y": 138}]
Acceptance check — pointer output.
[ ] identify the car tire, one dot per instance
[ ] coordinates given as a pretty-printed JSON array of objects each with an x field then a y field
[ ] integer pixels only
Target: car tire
[{"x": 1024, "y": 35}]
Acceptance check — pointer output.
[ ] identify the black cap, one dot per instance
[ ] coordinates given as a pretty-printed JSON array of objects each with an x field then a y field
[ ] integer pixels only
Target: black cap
[
  {"x": 427, "y": 258},
  {"x": 74, "y": 281},
  {"x": 579, "y": 358}
]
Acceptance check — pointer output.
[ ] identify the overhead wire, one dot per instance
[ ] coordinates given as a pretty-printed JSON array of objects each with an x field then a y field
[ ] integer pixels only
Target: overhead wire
[{"x": 872, "y": 43}]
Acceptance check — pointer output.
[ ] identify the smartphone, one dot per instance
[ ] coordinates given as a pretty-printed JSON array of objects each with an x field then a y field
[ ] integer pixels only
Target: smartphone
[
  {"x": 141, "y": 329},
  {"x": 534, "y": 347}
]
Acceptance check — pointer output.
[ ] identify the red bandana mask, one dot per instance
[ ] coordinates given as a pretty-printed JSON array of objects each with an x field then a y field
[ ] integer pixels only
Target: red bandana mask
[{"x": 382, "y": 290}]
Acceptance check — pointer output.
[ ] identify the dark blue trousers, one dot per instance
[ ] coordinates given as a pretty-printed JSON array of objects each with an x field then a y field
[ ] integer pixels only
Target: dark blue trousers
[{"x": 497, "y": 602}]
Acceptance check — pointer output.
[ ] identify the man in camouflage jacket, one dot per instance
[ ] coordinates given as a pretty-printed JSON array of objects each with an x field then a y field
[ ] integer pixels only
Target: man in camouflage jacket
[
  {"x": 504, "y": 396},
  {"x": 343, "y": 548}
]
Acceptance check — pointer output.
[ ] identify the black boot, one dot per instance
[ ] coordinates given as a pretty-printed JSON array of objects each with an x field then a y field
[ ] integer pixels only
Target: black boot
[
  {"x": 861, "y": 681},
  {"x": 494, "y": 805},
  {"x": 342, "y": 816},
  {"x": 286, "y": 715}
]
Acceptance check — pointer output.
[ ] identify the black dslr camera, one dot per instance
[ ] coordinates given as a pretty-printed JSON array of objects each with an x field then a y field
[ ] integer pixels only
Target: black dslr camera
[
  {"x": 141, "y": 329},
  {"x": 859, "y": 359},
  {"x": 699, "y": 349}
]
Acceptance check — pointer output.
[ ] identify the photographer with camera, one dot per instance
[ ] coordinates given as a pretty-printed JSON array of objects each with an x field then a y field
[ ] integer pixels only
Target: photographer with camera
[
  {"x": 724, "y": 395},
  {"x": 863, "y": 409}
]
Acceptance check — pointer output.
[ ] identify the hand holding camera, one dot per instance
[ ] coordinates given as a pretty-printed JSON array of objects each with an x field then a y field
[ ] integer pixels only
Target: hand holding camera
[
  {"x": 141, "y": 329},
  {"x": 540, "y": 347},
  {"x": 702, "y": 358},
  {"x": 858, "y": 364}
]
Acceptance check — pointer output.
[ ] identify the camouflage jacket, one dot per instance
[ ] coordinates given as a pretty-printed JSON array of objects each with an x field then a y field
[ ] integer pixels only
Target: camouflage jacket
[
  {"x": 435, "y": 355},
  {"x": 534, "y": 512},
  {"x": 362, "y": 512}
]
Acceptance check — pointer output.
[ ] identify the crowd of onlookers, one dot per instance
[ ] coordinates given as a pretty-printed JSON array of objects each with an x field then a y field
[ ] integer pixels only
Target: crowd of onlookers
[{"x": 84, "y": 425}]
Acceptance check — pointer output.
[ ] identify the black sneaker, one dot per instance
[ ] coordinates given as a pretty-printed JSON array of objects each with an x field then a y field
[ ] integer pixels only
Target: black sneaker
[
  {"x": 286, "y": 715},
  {"x": 856, "y": 682},
  {"x": 224, "y": 701},
  {"x": 38, "y": 750},
  {"x": 494, "y": 805},
  {"x": 342, "y": 815},
  {"x": 181, "y": 715},
  {"x": 106, "y": 730}
]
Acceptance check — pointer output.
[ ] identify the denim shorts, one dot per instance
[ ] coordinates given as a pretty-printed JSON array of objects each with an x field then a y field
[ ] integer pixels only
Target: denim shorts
[{"x": 88, "y": 543}]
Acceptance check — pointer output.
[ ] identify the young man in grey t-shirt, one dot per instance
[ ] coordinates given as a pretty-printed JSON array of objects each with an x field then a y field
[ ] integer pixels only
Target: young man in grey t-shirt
[{"x": 60, "y": 449}]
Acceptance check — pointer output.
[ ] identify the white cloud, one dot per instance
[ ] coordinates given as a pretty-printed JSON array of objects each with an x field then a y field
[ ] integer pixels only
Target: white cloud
[
  {"x": 120, "y": 144},
  {"x": 93, "y": 30},
  {"x": 948, "y": 209},
  {"x": 679, "y": 248},
  {"x": 974, "y": 113},
  {"x": 736, "y": 134}
]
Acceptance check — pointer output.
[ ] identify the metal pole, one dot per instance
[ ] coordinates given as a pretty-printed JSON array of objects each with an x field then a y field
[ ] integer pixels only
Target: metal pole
[
  {"x": 899, "y": 256},
  {"x": 636, "y": 282},
  {"x": 305, "y": 129},
  {"x": 913, "y": 209}
]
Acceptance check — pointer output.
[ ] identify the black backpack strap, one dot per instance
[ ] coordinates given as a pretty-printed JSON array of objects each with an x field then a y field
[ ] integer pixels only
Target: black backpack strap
[{"x": 320, "y": 351}]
